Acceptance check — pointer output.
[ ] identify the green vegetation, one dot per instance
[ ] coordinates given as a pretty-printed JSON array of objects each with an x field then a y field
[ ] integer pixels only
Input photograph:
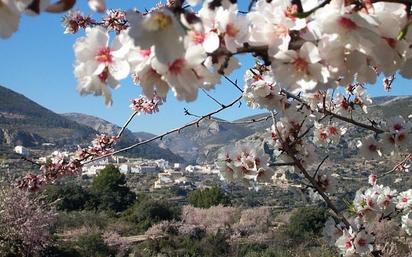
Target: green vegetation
[
  {"x": 108, "y": 192},
  {"x": 69, "y": 197},
  {"x": 207, "y": 197},
  {"x": 208, "y": 246},
  {"x": 146, "y": 212},
  {"x": 306, "y": 222},
  {"x": 110, "y": 189},
  {"x": 93, "y": 245}
]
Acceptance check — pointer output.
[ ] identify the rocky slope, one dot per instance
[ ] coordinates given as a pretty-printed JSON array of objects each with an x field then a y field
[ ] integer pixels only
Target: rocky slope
[
  {"x": 24, "y": 122},
  {"x": 204, "y": 143},
  {"x": 151, "y": 150}
]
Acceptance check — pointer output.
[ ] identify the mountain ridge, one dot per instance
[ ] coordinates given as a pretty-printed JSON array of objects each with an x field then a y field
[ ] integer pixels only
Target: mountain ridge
[{"x": 25, "y": 122}]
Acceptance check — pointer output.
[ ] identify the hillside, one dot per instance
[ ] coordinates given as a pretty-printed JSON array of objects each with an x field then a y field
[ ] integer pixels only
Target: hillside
[
  {"x": 204, "y": 143},
  {"x": 22, "y": 121},
  {"x": 150, "y": 151}
]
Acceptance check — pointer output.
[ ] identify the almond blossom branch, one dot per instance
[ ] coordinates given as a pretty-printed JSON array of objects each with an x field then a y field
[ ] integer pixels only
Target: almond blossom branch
[
  {"x": 265, "y": 118},
  {"x": 326, "y": 112},
  {"x": 290, "y": 151},
  {"x": 193, "y": 123},
  {"x": 399, "y": 166},
  {"x": 315, "y": 185},
  {"x": 352, "y": 121}
]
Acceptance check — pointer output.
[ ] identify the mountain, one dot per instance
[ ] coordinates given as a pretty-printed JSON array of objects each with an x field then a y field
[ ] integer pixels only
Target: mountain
[
  {"x": 150, "y": 151},
  {"x": 194, "y": 143},
  {"x": 98, "y": 124},
  {"x": 203, "y": 143},
  {"x": 22, "y": 121},
  {"x": 143, "y": 135}
]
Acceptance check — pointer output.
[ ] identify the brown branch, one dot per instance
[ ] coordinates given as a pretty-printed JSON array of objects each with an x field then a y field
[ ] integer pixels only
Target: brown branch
[
  {"x": 126, "y": 124},
  {"x": 352, "y": 121},
  {"x": 315, "y": 185},
  {"x": 211, "y": 97},
  {"x": 279, "y": 164},
  {"x": 326, "y": 112},
  {"x": 297, "y": 163},
  {"x": 61, "y": 6},
  {"x": 178, "y": 130},
  {"x": 320, "y": 164},
  {"x": 30, "y": 161},
  {"x": 400, "y": 164},
  {"x": 233, "y": 83}
]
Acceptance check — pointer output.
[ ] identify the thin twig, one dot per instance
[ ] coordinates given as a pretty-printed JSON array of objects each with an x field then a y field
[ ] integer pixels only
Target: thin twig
[
  {"x": 265, "y": 118},
  {"x": 31, "y": 161},
  {"x": 193, "y": 123},
  {"x": 327, "y": 200},
  {"x": 249, "y": 8},
  {"x": 279, "y": 164},
  {"x": 211, "y": 97},
  {"x": 404, "y": 161},
  {"x": 233, "y": 83},
  {"x": 126, "y": 124},
  {"x": 320, "y": 164}
]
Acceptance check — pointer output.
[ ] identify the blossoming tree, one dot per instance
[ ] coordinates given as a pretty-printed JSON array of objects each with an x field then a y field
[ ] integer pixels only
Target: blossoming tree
[{"x": 314, "y": 62}]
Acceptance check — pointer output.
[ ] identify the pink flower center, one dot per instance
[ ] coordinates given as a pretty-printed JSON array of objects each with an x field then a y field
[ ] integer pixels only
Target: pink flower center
[
  {"x": 198, "y": 37},
  {"x": 177, "y": 66},
  {"x": 145, "y": 52},
  {"x": 405, "y": 199},
  {"x": 361, "y": 242},
  {"x": 391, "y": 42},
  {"x": 323, "y": 135},
  {"x": 104, "y": 75},
  {"x": 347, "y": 23},
  {"x": 290, "y": 11},
  {"x": 391, "y": 139},
  {"x": 300, "y": 65},
  {"x": 344, "y": 104},
  {"x": 231, "y": 30},
  {"x": 333, "y": 130},
  {"x": 348, "y": 244},
  {"x": 372, "y": 148},
  {"x": 397, "y": 126},
  {"x": 104, "y": 55}
]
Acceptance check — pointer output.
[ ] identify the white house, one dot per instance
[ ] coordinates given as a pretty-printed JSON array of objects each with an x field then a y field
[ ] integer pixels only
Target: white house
[{"x": 22, "y": 150}]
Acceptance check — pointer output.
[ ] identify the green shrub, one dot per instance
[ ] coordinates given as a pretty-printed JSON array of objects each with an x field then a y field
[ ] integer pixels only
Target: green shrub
[
  {"x": 69, "y": 196},
  {"x": 207, "y": 197},
  {"x": 147, "y": 212},
  {"x": 306, "y": 222},
  {"x": 182, "y": 246},
  {"x": 93, "y": 245},
  {"x": 78, "y": 219},
  {"x": 110, "y": 190}
]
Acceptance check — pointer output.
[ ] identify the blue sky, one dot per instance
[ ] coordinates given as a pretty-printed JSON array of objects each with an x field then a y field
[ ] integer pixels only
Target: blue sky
[{"x": 37, "y": 62}]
